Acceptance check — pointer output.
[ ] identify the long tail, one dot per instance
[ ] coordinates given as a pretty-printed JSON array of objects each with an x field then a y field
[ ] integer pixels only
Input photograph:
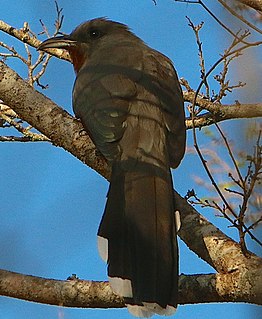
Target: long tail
[{"x": 137, "y": 238}]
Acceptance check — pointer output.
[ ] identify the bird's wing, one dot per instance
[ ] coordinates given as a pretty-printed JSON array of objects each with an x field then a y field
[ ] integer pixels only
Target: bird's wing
[
  {"x": 101, "y": 100},
  {"x": 161, "y": 79}
]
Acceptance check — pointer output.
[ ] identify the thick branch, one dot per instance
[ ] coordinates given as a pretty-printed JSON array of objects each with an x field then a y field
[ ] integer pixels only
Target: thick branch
[
  {"x": 254, "y": 4},
  {"x": 39, "y": 111},
  {"x": 208, "y": 242},
  {"x": 89, "y": 294}
]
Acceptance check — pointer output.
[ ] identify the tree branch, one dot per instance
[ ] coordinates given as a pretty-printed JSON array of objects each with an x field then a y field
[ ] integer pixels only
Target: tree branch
[
  {"x": 55, "y": 123},
  {"x": 254, "y": 4},
  {"x": 24, "y": 35},
  {"x": 208, "y": 242},
  {"x": 220, "y": 112},
  {"x": 94, "y": 294},
  {"x": 24, "y": 139},
  {"x": 238, "y": 16}
]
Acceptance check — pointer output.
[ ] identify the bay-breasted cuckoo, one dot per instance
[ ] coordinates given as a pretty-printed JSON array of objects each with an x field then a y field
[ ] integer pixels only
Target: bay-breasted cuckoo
[{"x": 129, "y": 100}]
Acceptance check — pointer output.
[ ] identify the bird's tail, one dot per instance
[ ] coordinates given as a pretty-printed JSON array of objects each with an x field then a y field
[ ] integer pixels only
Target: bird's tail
[{"x": 137, "y": 238}]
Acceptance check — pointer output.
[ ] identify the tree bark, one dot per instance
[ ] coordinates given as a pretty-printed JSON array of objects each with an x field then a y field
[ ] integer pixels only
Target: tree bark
[
  {"x": 54, "y": 122},
  {"x": 193, "y": 289},
  {"x": 254, "y": 4}
]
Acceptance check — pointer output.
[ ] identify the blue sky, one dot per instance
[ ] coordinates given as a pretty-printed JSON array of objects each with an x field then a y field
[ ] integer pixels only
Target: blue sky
[{"x": 51, "y": 203}]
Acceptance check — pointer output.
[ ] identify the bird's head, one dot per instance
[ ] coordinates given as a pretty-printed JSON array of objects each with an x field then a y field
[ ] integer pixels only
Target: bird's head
[{"x": 90, "y": 37}]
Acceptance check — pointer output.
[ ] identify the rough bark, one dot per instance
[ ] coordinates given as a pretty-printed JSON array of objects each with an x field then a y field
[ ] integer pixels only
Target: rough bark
[
  {"x": 254, "y": 4},
  {"x": 193, "y": 289},
  {"x": 43, "y": 114}
]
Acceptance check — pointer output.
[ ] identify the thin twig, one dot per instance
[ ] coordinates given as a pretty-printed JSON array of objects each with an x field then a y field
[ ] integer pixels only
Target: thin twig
[
  {"x": 196, "y": 29},
  {"x": 231, "y": 155},
  {"x": 25, "y": 131},
  {"x": 215, "y": 18}
]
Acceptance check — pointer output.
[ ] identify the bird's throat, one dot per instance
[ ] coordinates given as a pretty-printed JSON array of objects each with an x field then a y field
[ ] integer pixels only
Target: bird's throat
[{"x": 78, "y": 58}]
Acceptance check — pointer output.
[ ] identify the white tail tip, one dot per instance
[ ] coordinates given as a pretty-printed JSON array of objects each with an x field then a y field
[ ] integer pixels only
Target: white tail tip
[
  {"x": 149, "y": 309},
  {"x": 177, "y": 220},
  {"x": 102, "y": 245},
  {"x": 121, "y": 287}
]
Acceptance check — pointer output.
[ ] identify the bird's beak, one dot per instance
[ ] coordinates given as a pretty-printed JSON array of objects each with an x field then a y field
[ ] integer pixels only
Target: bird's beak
[{"x": 61, "y": 42}]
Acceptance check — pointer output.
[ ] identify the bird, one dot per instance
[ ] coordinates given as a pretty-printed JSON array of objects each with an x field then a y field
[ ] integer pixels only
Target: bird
[{"x": 128, "y": 97}]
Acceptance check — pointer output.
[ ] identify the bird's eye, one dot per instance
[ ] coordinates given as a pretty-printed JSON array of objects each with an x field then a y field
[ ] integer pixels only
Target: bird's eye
[{"x": 94, "y": 34}]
